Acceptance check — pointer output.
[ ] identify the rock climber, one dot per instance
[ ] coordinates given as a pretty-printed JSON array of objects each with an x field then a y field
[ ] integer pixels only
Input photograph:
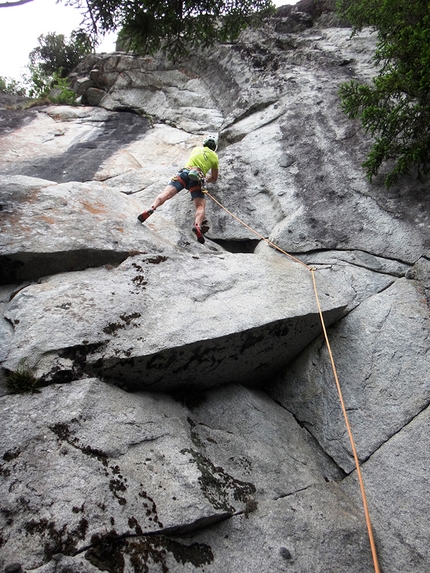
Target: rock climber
[{"x": 192, "y": 177}]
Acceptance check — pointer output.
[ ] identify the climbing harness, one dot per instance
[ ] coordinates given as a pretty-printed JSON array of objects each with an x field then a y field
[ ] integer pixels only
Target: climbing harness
[
  {"x": 339, "y": 390},
  {"x": 185, "y": 176},
  {"x": 196, "y": 174}
]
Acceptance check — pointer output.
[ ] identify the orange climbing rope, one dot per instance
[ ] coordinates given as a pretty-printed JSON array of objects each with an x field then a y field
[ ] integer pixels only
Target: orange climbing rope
[
  {"x": 339, "y": 390},
  {"x": 254, "y": 231},
  {"x": 348, "y": 427}
]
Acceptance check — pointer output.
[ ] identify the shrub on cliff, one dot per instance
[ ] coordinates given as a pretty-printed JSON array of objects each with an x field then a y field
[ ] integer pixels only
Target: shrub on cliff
[
  {"x": 11, "y": 86},
  {"x": 51, "y": 62},
  {"x": 395, "y": 108}
]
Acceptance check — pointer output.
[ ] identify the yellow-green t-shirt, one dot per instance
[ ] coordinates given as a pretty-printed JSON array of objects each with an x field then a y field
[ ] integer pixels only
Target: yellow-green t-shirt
[{"x": 204, "y": 158}]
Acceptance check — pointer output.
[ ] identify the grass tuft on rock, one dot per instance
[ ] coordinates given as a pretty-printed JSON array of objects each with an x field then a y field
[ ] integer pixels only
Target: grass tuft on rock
[{"x": 22, "y": 380}]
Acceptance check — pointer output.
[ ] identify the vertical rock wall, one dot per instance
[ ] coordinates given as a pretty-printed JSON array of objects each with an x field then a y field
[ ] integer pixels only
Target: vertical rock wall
[{"x": 188, "y": 419}]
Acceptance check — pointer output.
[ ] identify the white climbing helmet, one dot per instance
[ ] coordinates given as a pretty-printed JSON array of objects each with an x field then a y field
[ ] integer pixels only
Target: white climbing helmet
[{"x": 211, "y": 142}]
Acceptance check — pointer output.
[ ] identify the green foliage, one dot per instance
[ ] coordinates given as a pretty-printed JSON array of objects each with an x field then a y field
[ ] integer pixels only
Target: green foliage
[
  {"x": 55, "y": 55},
  {"x": 22, "y": 380},
  {"x": 62, "y": 93},
  {"x": 39, "y": 83},
  {"x": 52, "y": 61},
  {"x": 395, "y": 108},
  {"x": 43, "y": 87},
  {"x": 52, "y": 88},
  {"x": 175, "y": 26},
  {"x": 11, "y": 86}
]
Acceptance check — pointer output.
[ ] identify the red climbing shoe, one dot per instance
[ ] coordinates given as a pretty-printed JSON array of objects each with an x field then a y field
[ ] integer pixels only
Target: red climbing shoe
[
  {"x": 197, "y": 231},
  {"x": 143, "y": 216}
]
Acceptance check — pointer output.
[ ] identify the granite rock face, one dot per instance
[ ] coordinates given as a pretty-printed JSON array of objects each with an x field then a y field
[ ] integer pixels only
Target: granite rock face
[
  {"x": 185, "y": 416},
  {"x": 385, "y": 381},
  {"x": 121, "y": 319}
]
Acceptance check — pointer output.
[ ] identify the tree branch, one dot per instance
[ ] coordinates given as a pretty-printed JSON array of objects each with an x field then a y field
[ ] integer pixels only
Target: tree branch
[
  {"x": 90, "y": 12},
  {"x": 11, "y": 4}
]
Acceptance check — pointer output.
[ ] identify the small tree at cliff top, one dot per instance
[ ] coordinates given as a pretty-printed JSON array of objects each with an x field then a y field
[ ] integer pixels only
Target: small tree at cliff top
[
  {"x": 395, "y": 108},
  {"x": 56, "y": 55},
  {"x": 50, "y": 63},
  {"x": 176, "y": 26},
  {"x": 11, "y": 86},
  {"x": 52, "y": 60}
]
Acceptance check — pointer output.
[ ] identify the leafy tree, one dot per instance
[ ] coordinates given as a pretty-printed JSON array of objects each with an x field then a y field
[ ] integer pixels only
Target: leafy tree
[
  {"x": 55, "y": 55},
  {"x": 49, "y": 65},
  {"x": 395, "y": 108},
  {"x": 52, "y": 61},
  {"x": 50, "y": 87},
  {"x": 11, "y": 86},
  {"x": 38, "y": 83},
  {"x": 176, "y": 26}
]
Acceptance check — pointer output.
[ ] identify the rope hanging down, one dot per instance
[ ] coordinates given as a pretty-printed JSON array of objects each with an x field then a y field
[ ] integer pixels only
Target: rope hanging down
[{"x": 339, "y": 390}]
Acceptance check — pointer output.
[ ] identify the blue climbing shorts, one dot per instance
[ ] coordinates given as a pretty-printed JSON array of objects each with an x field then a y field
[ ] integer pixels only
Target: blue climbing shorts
[{"x": 197, "y": 194}]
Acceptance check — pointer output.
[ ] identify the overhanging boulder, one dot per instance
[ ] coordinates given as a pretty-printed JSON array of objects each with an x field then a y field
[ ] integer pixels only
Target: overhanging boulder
[
  {"x": 157, "y": 322},
  {"x": 48, "y": 228}
]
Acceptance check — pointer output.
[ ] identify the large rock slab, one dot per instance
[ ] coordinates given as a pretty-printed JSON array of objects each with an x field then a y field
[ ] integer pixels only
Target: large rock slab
[
  {"x": 79, "y": 138},
  {"x": 86, "y": 464},
  {"x": 92, "y": 460},
  {"x": 287, "y": 150},
  {"x": 92, "y": 143},
  {"x": 300, "y": 533},
  {"x": 247, "y": 434},
  {"x": 397, "y": 486},
  {"x": 303, "y": 171},
  {"x": 159, "y": 321},
  {"x": 381, "y": 352},
  {"x": 48, "y": 228},
  {"x": 356, "y": 274},
  {"x": 154, "y": 86}
]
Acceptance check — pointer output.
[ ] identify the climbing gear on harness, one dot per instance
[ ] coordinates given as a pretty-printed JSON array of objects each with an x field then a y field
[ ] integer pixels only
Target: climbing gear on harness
[
  {"x": 179, "y": 177},
  {"x": 210, "y": 142},
  {"x": 198, "y": 232},
  {"x": 143, "y": 216},
  {"x": 191, "y": 178},
  {"x": 195, "y": 174}
]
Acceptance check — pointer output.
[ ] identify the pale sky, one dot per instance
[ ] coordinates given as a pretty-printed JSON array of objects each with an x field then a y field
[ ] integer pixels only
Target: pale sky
[{"x": 20, "y": 26}]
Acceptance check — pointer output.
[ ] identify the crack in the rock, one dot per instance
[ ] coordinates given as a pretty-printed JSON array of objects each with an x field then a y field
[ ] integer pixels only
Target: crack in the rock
[
  {"x": 174, "y": 530},
  {"x": 303, "y": 424},
  {"x": 411, "y": 419},
  {"x": 255, "y": 108},
  {"x": 360, "y": 264},
  {"x": 285, "y": 495}
]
